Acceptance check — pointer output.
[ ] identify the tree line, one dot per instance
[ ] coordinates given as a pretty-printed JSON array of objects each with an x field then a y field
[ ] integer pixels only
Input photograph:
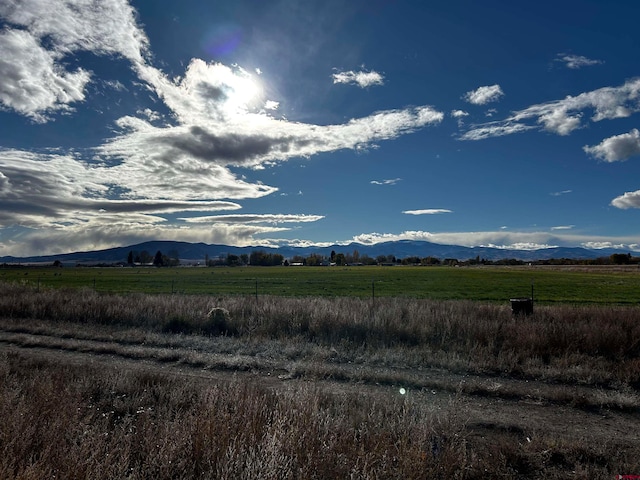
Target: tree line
[
  {"x": 266, "y": 259},
  {"x": 158, "y": 260}
]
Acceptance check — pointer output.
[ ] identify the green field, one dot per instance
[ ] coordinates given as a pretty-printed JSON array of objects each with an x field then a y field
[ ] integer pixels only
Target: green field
[{"x": 491, "y": 284}]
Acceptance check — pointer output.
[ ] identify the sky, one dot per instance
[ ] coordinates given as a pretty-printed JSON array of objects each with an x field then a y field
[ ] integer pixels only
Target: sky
[{"x": 286, "y": 122}]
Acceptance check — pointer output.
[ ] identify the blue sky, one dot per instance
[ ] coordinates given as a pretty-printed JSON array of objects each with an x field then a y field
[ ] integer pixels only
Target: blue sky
[{"x": 288, "y": 122}]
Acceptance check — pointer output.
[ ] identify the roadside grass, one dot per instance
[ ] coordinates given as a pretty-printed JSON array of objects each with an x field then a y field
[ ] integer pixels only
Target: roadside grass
[
  {"x": 80, "y": 421},
  {"x": 552, "y": 285}
]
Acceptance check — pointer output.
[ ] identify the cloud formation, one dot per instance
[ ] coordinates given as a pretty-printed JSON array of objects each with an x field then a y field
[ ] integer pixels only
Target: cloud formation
[
  {"x": 44, "y": 85},
  {"x": 564, "y": 116},
  {"x": 183, "y": 161},
  {"x": 362, "y": 79},
  {"x": 617, "y": 148},
  {"x": 389, "y": 181},
  {"x": 39, "y": 87},
  {"x": 577, "y": 61},
  {"x": 558, "y": 194},
  {"x": 459, "y": 113},
  {"x": 484, "y": 95},
  {"x": 427, "y": 211},
  {"x": 255, "y": 218},
  {"x": 627, "y": 200}
]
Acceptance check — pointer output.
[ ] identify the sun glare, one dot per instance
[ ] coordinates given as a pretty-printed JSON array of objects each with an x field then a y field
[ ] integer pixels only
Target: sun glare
[{"x": 244, "y": 94}]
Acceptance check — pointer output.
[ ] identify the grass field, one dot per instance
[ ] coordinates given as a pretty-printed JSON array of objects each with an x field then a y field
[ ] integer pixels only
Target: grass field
[{"x": 573, "y": 285}]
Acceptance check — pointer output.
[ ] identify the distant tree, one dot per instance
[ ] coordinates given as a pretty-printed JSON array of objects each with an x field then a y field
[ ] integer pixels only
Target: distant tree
[
  {"x": 206, "y": 259},
  {"x": 367, "y": 260},
  {"x": 341, "y": 259},
  {"x": 313, "y": 260},
  {"x": 233, "y": 260},
  {"x": 244, "y": 259},
  {"x": 430, "y": 261},
  {"x": 57, "y": 263},
  {"x": 333, "y": 256},
  {"x": 265, "y": 259},
  {"x": 130, "y": 258},
  {"x": 157, "y": 260},
  {"x": 620, "y": 258},
  {"x": 411, "y": 260},
  {"x": 145, "y": 257}
]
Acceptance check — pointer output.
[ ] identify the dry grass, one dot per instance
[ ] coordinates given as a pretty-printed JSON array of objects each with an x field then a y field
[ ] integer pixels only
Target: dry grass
[
  {"x": 593, "y": 345},
  {"x": 78, "y": 422},
  {"x": 66, "y": 421}
]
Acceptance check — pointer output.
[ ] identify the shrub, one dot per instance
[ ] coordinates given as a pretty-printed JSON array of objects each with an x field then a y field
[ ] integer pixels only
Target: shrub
[{"x": 218, "y": 322}]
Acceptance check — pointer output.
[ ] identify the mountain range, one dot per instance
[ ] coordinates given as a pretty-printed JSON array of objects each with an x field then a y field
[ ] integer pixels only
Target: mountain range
[{"x": 196, "y": 252}]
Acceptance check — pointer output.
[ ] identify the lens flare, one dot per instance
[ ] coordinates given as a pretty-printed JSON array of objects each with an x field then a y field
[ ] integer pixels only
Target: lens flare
[{"x": 222, "y": 41}]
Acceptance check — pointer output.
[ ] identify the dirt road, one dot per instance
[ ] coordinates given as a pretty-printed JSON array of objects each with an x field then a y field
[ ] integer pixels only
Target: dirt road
[{"x": 490, "y": 405}]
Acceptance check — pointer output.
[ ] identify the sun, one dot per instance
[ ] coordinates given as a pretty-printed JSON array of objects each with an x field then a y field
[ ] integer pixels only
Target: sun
[{"x": 244, "y": 92}]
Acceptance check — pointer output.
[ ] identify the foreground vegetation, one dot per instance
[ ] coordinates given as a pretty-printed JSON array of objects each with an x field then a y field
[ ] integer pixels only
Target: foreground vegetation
[
  {"x": 80, "y": 422},
  {"x": 595, "y": 345},
  {"x": 560, "y": 284},
  {"x": 73, "y": 420}
]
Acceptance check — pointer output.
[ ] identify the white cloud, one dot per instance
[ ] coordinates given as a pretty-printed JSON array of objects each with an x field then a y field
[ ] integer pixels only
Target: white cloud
[
  {"x": 42, "y": 85},
  {"x": 563, "y": 227},
  {"x": 577, "y": 61},
  {"x": 47, "y": 190},
  {"x": 362, "y": 79},
  {"x": 116, "y": 85},
  {"x": 255, "y": 218},
  {"x": 563, "y": 192},
  {"x": 427, "y": 211},
  {"x": 494, "y": 129},
  {"x": 252, "y": 140},
  {"x": 149, "y": 114},
  {"x": 564, "y": 116},
  {"x": 38, "y": 87},
  {"x": 627, "y": 200},
  {"x": 608, "y": 244},
  {"x": 617, "y": 148},
  {"x": 484, "y": 95},
  {"x": 104, "y": 27},
  {"x": 459, "y": 113},
  {"x": 389, "y": 181},
  {"x": 373, "y": 238}
]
